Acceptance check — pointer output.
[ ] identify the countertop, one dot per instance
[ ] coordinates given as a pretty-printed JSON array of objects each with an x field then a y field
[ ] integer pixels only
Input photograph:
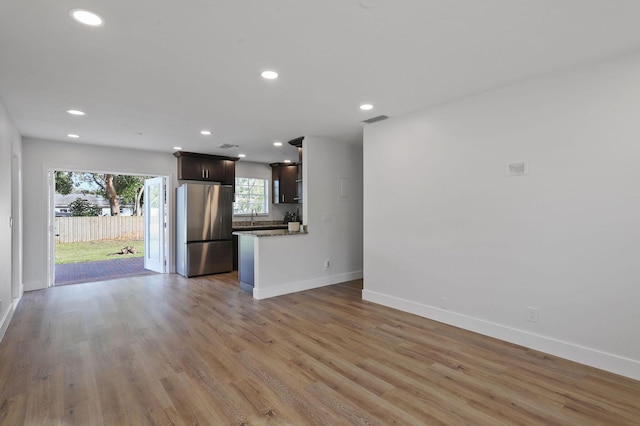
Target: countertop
[{"x": 269, "y": 233}]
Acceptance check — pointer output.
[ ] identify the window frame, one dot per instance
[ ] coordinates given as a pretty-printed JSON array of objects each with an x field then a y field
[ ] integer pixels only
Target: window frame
[{"x": 265, "y": 205}]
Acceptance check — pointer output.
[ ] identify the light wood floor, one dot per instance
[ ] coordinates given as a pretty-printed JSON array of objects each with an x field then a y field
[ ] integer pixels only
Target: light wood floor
[{"x": 165, "y": 350}]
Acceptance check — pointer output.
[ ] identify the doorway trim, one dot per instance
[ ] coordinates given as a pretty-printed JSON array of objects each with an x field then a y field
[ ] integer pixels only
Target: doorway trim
[{"x": 48, "y": 182}]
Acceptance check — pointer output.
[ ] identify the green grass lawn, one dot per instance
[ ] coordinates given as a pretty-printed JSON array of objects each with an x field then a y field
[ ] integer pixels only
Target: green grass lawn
[{"x": 95, "y": 250}]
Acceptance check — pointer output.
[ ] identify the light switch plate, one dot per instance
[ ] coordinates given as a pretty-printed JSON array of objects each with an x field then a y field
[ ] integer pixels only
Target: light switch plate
[{"x": 344, "y": 188}]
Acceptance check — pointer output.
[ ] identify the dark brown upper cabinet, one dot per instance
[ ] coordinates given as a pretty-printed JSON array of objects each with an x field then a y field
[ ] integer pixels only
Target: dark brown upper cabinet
[
  {"x": 204, "y": 167},
  {"x": 284, "y": 185}
]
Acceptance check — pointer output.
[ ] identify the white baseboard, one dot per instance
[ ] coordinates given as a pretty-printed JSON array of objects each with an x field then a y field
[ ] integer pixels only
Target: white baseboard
[
  {"x": 588, "y": 356},
  {"x": 264, "y": 293},
  {"x": 33, "y": 286},
  {"x": 4, "y": 324}
]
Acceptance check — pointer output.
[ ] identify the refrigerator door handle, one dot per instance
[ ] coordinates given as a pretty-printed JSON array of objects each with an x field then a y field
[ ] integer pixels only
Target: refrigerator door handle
[{"x": 210, "y": 202}]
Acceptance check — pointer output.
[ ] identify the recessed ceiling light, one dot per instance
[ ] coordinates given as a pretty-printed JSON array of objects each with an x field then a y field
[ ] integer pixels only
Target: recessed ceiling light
[
  {"x": 287, "y": 161},
  {"x": 75, "y": 112},
  {"x": 269, "y": 75},
  {"x": 177, "y": 148},
  {"x": 241, "y": 155},
  {"x": 277, "y": 144},
  {"x": 86, "y": 17},
  {"x": 74, "y": 136},
  {"x": 366, "y": 107},
  {"x": 205, "y": 132}
]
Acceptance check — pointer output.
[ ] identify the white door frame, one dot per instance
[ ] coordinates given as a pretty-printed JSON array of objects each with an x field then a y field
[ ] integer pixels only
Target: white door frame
[
  {"x": 16, "y": 227},
  {"x": 48, "y": 183}
]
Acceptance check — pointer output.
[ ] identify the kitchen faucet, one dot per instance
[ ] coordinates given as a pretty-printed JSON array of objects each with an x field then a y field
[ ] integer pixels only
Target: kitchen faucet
[{"x": 253, "y": 211}]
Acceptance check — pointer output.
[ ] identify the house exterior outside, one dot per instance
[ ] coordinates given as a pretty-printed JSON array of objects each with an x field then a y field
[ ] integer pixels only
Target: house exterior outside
[{"x": 62, "y": 203}]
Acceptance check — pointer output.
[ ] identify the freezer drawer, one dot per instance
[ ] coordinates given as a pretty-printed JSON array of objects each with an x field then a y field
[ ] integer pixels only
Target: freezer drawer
[{"x": 212, "y": 257}]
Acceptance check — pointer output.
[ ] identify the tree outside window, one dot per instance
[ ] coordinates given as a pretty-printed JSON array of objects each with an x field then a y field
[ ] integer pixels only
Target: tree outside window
[{"x": 251, "y": 195}]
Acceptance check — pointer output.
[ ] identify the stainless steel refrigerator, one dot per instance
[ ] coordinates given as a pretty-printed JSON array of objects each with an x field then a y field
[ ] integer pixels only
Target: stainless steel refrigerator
[{"x": 203, "y": 230}]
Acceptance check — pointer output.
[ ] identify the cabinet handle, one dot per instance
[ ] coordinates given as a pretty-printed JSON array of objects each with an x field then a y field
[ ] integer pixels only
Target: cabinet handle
[
  {"x": 202, "y": 173},
  {"x": 282, "y": 198},
  {"x": 207, "y": 173}
]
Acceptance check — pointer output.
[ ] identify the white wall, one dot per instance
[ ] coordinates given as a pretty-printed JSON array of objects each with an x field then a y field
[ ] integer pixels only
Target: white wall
[
  {"x": 10, "y": 146},
  {"x": 248, "y": 169},
  {"x": 40, "y": 156},
  {"x": 563, "y": 239},
  {"x": 293, "y": 263}
]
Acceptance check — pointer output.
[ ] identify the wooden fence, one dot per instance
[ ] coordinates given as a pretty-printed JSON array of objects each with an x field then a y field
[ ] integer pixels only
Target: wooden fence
[{"x": 95, "y": 228}]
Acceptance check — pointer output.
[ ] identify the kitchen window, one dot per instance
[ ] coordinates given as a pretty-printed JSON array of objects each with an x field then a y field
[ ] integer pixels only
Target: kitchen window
[{"x": 252, "y": 195}]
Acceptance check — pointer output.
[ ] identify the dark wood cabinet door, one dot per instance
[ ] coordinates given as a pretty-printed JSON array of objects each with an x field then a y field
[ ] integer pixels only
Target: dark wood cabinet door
[
  {"x": 206, "y": 168},
  {"x": 214, "y": 170},
  {"x": 288, "y": 185},
  {"x": 190, "y": 168},
  {"x": 223, "y": 171},
  {"x": 284, "y": 185},
  {"x": 230, "y": 173},
  {"x": 275, "y": 184}
]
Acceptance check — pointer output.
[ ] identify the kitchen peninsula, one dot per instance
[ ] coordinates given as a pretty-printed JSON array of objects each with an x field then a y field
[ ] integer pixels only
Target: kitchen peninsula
[
  {"x": 249, "y": 254},
  {"x": 330, "y": 251},
  {"x": 251, "y": 225}
]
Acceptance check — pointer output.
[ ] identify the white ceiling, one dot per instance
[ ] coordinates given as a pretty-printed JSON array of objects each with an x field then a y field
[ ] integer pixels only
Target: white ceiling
[{"x": 159, "y": 71}]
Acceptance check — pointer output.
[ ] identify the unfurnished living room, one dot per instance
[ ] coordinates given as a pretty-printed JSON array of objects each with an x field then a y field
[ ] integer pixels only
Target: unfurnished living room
[{"x": 431, "y": 212}]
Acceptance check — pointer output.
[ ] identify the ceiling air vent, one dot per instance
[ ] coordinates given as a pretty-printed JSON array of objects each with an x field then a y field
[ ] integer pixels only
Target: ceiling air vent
[
  {"x": 517, "y": 168},
  {"x": 375, "y": 119},
  {"x": 227, "y": 146}
]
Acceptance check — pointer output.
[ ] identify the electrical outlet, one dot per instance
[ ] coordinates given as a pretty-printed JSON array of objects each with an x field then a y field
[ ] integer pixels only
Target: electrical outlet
[
  {"x": 0, "y": 305},
  {"x": 532, "y": 314},
  {"x": 327, "y": 264},
  {"x": 444, "y": 302}
]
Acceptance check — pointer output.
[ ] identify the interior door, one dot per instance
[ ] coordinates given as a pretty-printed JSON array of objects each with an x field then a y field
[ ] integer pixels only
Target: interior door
[{"x": 154, "y": 224}]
